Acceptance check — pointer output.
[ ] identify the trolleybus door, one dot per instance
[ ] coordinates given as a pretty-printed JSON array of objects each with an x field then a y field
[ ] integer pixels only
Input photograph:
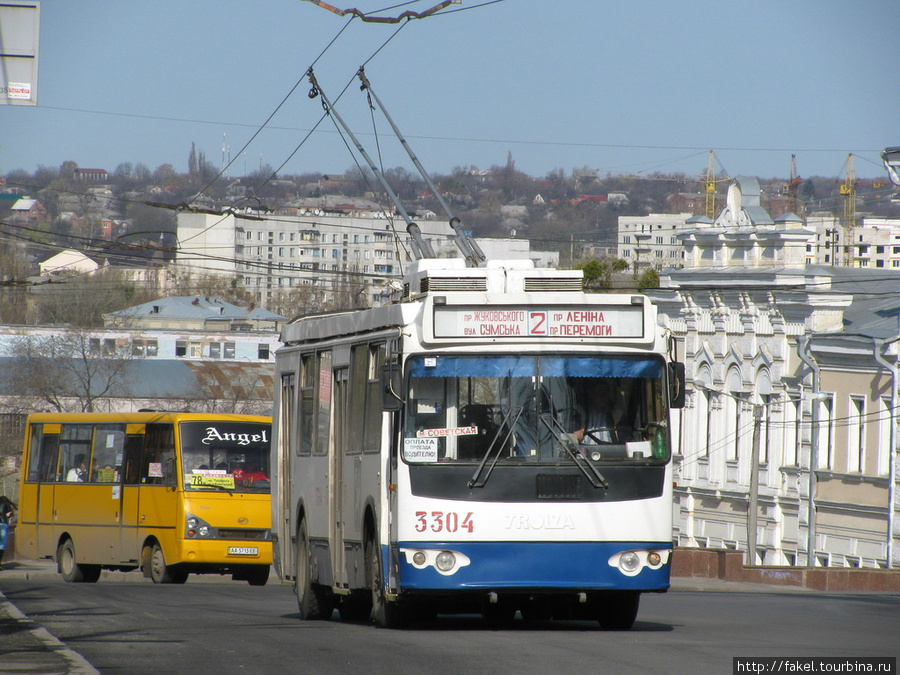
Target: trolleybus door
[
  {"x": 283, "y": 552},
  {"x": 336, "y": 478}
]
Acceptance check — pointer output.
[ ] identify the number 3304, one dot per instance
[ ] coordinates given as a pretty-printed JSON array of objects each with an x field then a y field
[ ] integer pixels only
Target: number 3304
[{"x": 439, "y": 521}]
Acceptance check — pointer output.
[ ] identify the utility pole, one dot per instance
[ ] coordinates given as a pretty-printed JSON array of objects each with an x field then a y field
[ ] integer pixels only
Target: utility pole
[{"x": 754, "y": 488}]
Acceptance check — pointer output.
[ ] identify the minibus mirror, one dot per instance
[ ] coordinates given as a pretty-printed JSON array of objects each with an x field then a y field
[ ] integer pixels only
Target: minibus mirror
[
  {"x": 676, "y": 385},
  {"x": 391, "y": 385}
]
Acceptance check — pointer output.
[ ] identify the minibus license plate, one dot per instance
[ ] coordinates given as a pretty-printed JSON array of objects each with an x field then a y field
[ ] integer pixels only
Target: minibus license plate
[{"x": 243, "y": 550}]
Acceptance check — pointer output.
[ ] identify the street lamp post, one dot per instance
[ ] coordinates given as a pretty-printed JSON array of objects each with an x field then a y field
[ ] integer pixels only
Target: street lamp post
[{"x": 754, "y": 487}]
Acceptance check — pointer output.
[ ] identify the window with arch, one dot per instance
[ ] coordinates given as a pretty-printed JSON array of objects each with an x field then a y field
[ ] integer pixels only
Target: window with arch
[
  {"x": 732, "y": 408},
  {"x": 703, "y": 407},
  {"x": 765, "y": 399}
]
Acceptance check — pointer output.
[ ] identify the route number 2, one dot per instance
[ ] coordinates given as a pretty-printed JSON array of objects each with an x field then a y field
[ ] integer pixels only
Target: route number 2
[{"x": 440, "y": 521}]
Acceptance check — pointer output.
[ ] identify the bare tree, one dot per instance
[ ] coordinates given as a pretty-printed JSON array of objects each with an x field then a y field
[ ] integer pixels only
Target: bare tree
[
  {"x": 82, "y": 301},
  {"x": 73, "y": 371}
]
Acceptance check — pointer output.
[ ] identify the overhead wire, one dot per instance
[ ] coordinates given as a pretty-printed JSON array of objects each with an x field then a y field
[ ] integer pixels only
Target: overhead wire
[{"x": 311, "y": 131}]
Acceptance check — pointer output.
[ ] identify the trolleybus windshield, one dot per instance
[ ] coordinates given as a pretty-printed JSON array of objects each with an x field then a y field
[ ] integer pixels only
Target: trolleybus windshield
[{"x": 535, "y": 409}]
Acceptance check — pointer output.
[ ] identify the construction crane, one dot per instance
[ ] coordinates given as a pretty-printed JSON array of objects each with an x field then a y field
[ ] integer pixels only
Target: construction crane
[
  {"x": 710, "y": 182},
  {"x": 848, "y": 223},
  {"x": 792, "y": 189}
]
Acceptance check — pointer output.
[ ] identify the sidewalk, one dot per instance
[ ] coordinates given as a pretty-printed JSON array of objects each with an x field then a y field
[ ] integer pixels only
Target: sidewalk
[{"x": 25, "y": 647}]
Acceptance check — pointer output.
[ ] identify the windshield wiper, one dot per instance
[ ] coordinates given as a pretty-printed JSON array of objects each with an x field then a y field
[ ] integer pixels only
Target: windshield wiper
[
  {"x": 473, "y": 481},
  {"x": 567, "y": 441},
  {"x": 214, "y": 487}
]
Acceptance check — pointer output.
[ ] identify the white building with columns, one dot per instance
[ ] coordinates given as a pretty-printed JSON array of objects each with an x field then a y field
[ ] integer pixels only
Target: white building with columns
[{"x": 792, "y": 373}]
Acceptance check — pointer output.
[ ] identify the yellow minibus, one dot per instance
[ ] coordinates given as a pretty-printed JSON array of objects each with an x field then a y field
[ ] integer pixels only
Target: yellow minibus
[{"x": 171, "y": 493}]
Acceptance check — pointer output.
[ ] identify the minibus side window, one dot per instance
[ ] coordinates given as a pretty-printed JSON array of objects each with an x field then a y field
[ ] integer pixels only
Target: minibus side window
[
  {"x": 75, "y": 451},
  {"x": 34, "y": 452},
  {"x": 109, "y": 450},
  {"x": 49, "y": 453},
  {"x": 159, "y": 455},
  {"x": 134, "y": 446}
]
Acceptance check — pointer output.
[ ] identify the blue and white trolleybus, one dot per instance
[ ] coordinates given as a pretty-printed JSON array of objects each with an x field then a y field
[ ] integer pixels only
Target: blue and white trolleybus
[{"x": 498, "y": 441}]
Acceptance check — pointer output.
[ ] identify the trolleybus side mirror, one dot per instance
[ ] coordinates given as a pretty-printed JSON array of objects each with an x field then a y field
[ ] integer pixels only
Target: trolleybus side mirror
[
  {"x": 676, "y": 385},
  {"x": 891, "y": 159},
  {"x": 391, "y": 386}
]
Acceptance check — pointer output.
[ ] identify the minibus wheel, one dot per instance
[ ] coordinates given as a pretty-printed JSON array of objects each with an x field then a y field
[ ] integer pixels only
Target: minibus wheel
[
  {"x": 160, "y": 572},
  {"x": 258, "y": 575},
  {"x": 71, "y": 571}
]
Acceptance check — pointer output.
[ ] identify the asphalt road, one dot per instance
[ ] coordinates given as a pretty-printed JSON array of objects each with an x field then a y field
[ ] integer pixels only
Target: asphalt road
[{"x": 212, "y": 625}]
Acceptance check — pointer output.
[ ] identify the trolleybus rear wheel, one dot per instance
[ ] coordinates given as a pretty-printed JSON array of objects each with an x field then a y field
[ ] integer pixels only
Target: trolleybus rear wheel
[
  {"x": 71, "y": 571},
  {"x": 313, "y": 601}
]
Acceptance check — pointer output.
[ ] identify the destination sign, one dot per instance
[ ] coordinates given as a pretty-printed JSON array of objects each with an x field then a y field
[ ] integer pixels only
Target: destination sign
[{"x": 554, "y": 322}]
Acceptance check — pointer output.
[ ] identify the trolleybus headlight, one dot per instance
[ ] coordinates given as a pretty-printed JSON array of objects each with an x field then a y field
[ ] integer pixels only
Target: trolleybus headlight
[
  {"x": 192, "y": 523},
  {"x": 653, "y": 559},
  {"x": 629, "y": 562},
  {"x": 445, "y": 561}
]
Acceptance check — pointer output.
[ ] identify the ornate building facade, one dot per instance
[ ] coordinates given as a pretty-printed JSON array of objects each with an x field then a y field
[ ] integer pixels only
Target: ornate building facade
[{"x": 788, "y": 441}]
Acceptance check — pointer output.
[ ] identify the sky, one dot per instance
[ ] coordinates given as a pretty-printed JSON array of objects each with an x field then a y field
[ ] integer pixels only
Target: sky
[{"x": 633, "y": 87}]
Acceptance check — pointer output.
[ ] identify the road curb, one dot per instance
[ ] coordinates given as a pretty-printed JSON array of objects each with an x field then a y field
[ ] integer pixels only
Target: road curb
[{"x": 31, "y": 644}]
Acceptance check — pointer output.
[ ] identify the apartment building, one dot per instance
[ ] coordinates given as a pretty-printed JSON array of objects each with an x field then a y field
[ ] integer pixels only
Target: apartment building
[
  {"x": 876, "y": 243},
  {"x": 651, "y": 242},
  {"x": 326, "y": 245}
]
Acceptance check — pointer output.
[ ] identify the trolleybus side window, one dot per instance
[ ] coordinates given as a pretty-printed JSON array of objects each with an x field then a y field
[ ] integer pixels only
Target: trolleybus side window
[
  {"x": 359, "y": 370},
  {"x": 365, "y": 396},
  {"x": 306, "y": 415},
  {"x": 287, "y": 424},
  {"x": 323, "y": 396},
  {"x": 372, "y": 435}
]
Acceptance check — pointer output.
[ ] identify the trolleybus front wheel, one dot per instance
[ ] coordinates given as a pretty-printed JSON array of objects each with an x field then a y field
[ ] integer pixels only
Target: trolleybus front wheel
[
  {"x": 618, "y": 610},
  {"x": 385, "y": 614},
  {"x": 71, "y": 571}
]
